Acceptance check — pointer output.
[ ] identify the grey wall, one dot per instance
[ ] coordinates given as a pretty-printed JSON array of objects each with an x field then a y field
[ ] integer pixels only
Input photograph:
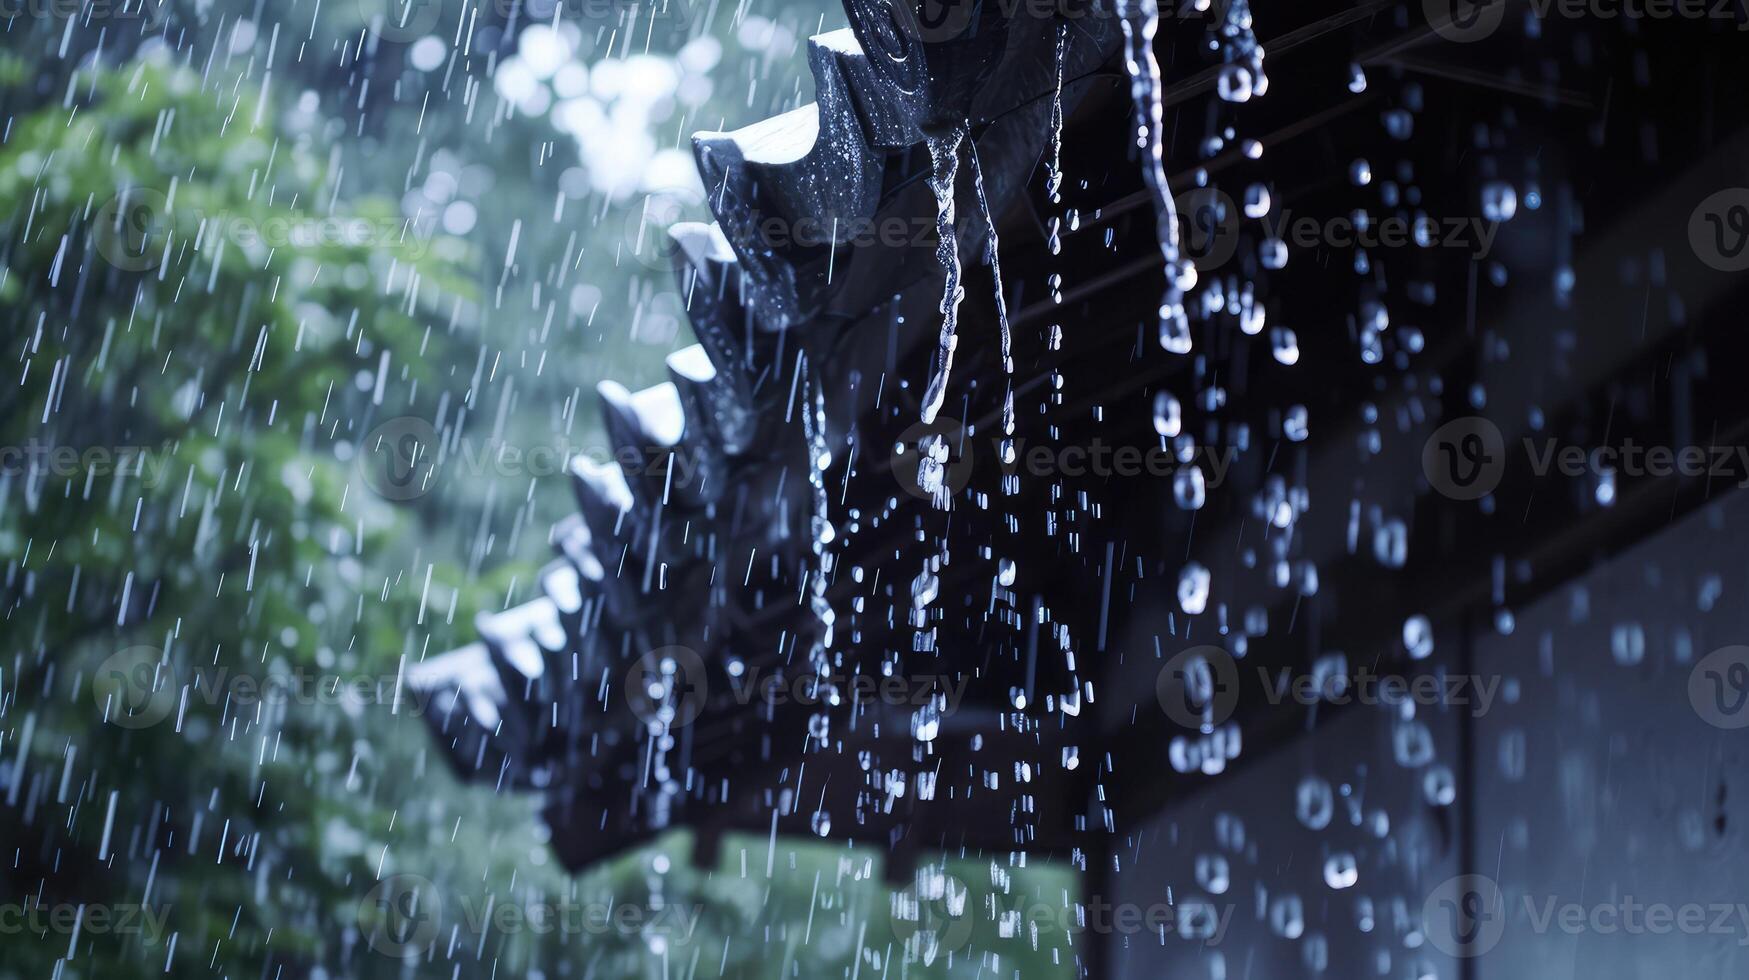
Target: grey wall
[{"x": 1598, "y": 783}]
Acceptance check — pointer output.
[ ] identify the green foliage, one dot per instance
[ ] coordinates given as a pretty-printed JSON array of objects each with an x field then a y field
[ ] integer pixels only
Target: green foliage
[
  {"x": 185, "y": 527},
  {"x": 214, "y": 303}
]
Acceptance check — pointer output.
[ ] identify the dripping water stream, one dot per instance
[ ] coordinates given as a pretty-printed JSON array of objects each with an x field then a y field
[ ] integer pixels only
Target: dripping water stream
[{"x": 1141, "y": 21}]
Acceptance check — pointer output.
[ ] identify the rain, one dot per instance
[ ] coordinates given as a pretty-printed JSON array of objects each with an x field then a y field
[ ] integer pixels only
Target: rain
[{"x": 896, "y": 489}]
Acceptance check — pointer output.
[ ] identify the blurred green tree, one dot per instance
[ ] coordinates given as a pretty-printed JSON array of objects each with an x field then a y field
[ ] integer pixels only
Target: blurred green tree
[{"x": 217, "y": 568}]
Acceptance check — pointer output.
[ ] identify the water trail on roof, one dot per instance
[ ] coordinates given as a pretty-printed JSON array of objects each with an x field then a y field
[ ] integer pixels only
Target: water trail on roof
[
  {"x": 1242, "y": 76},
  {"x": 1054, "y": 168},
  {"x": 944, "y": 155},
  {"x": 992, "y": 251},
  {"x": 1141, "y": 20},
  {"x": 819, "y": 461}
]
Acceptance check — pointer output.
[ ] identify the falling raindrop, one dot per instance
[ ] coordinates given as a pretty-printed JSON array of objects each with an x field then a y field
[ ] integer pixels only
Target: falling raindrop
[
  {"x": 1499, "y": 201},
  {"x": 1168, "y": 418},
  {"x": 944, "y": 152},
  {"x": 1189, "y": 490},
  {"x": 1341, "y": 871},
  {"x": 1193, "y": 588},
  {"x": 1314, "y": 803},
  {"x": 1439, "y": 786},
  {"x": 1418, "y": 637}
]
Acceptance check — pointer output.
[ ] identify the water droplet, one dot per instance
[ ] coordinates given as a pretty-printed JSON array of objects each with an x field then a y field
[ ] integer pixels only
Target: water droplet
[
  {"x": 1340, "y": 870},
  {"x": 1188, "y": 488},
  {"x": 1193, "y": 588},
  {"x": 1439, "y": 786},
  {"x": 1499, "y": 201},
  {"x": 1212, "y": 873},
  {"x": 1418, "y": 637},
  {"x": 1168, "y": 416},
  {"x": 1314, "y": 802},
  {"x": 1627, "y": 644},
  {"x": 1287, "y": 916},
  {"x": 1234, "y": 83},
  {"x": 1256, "y": 201}
]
